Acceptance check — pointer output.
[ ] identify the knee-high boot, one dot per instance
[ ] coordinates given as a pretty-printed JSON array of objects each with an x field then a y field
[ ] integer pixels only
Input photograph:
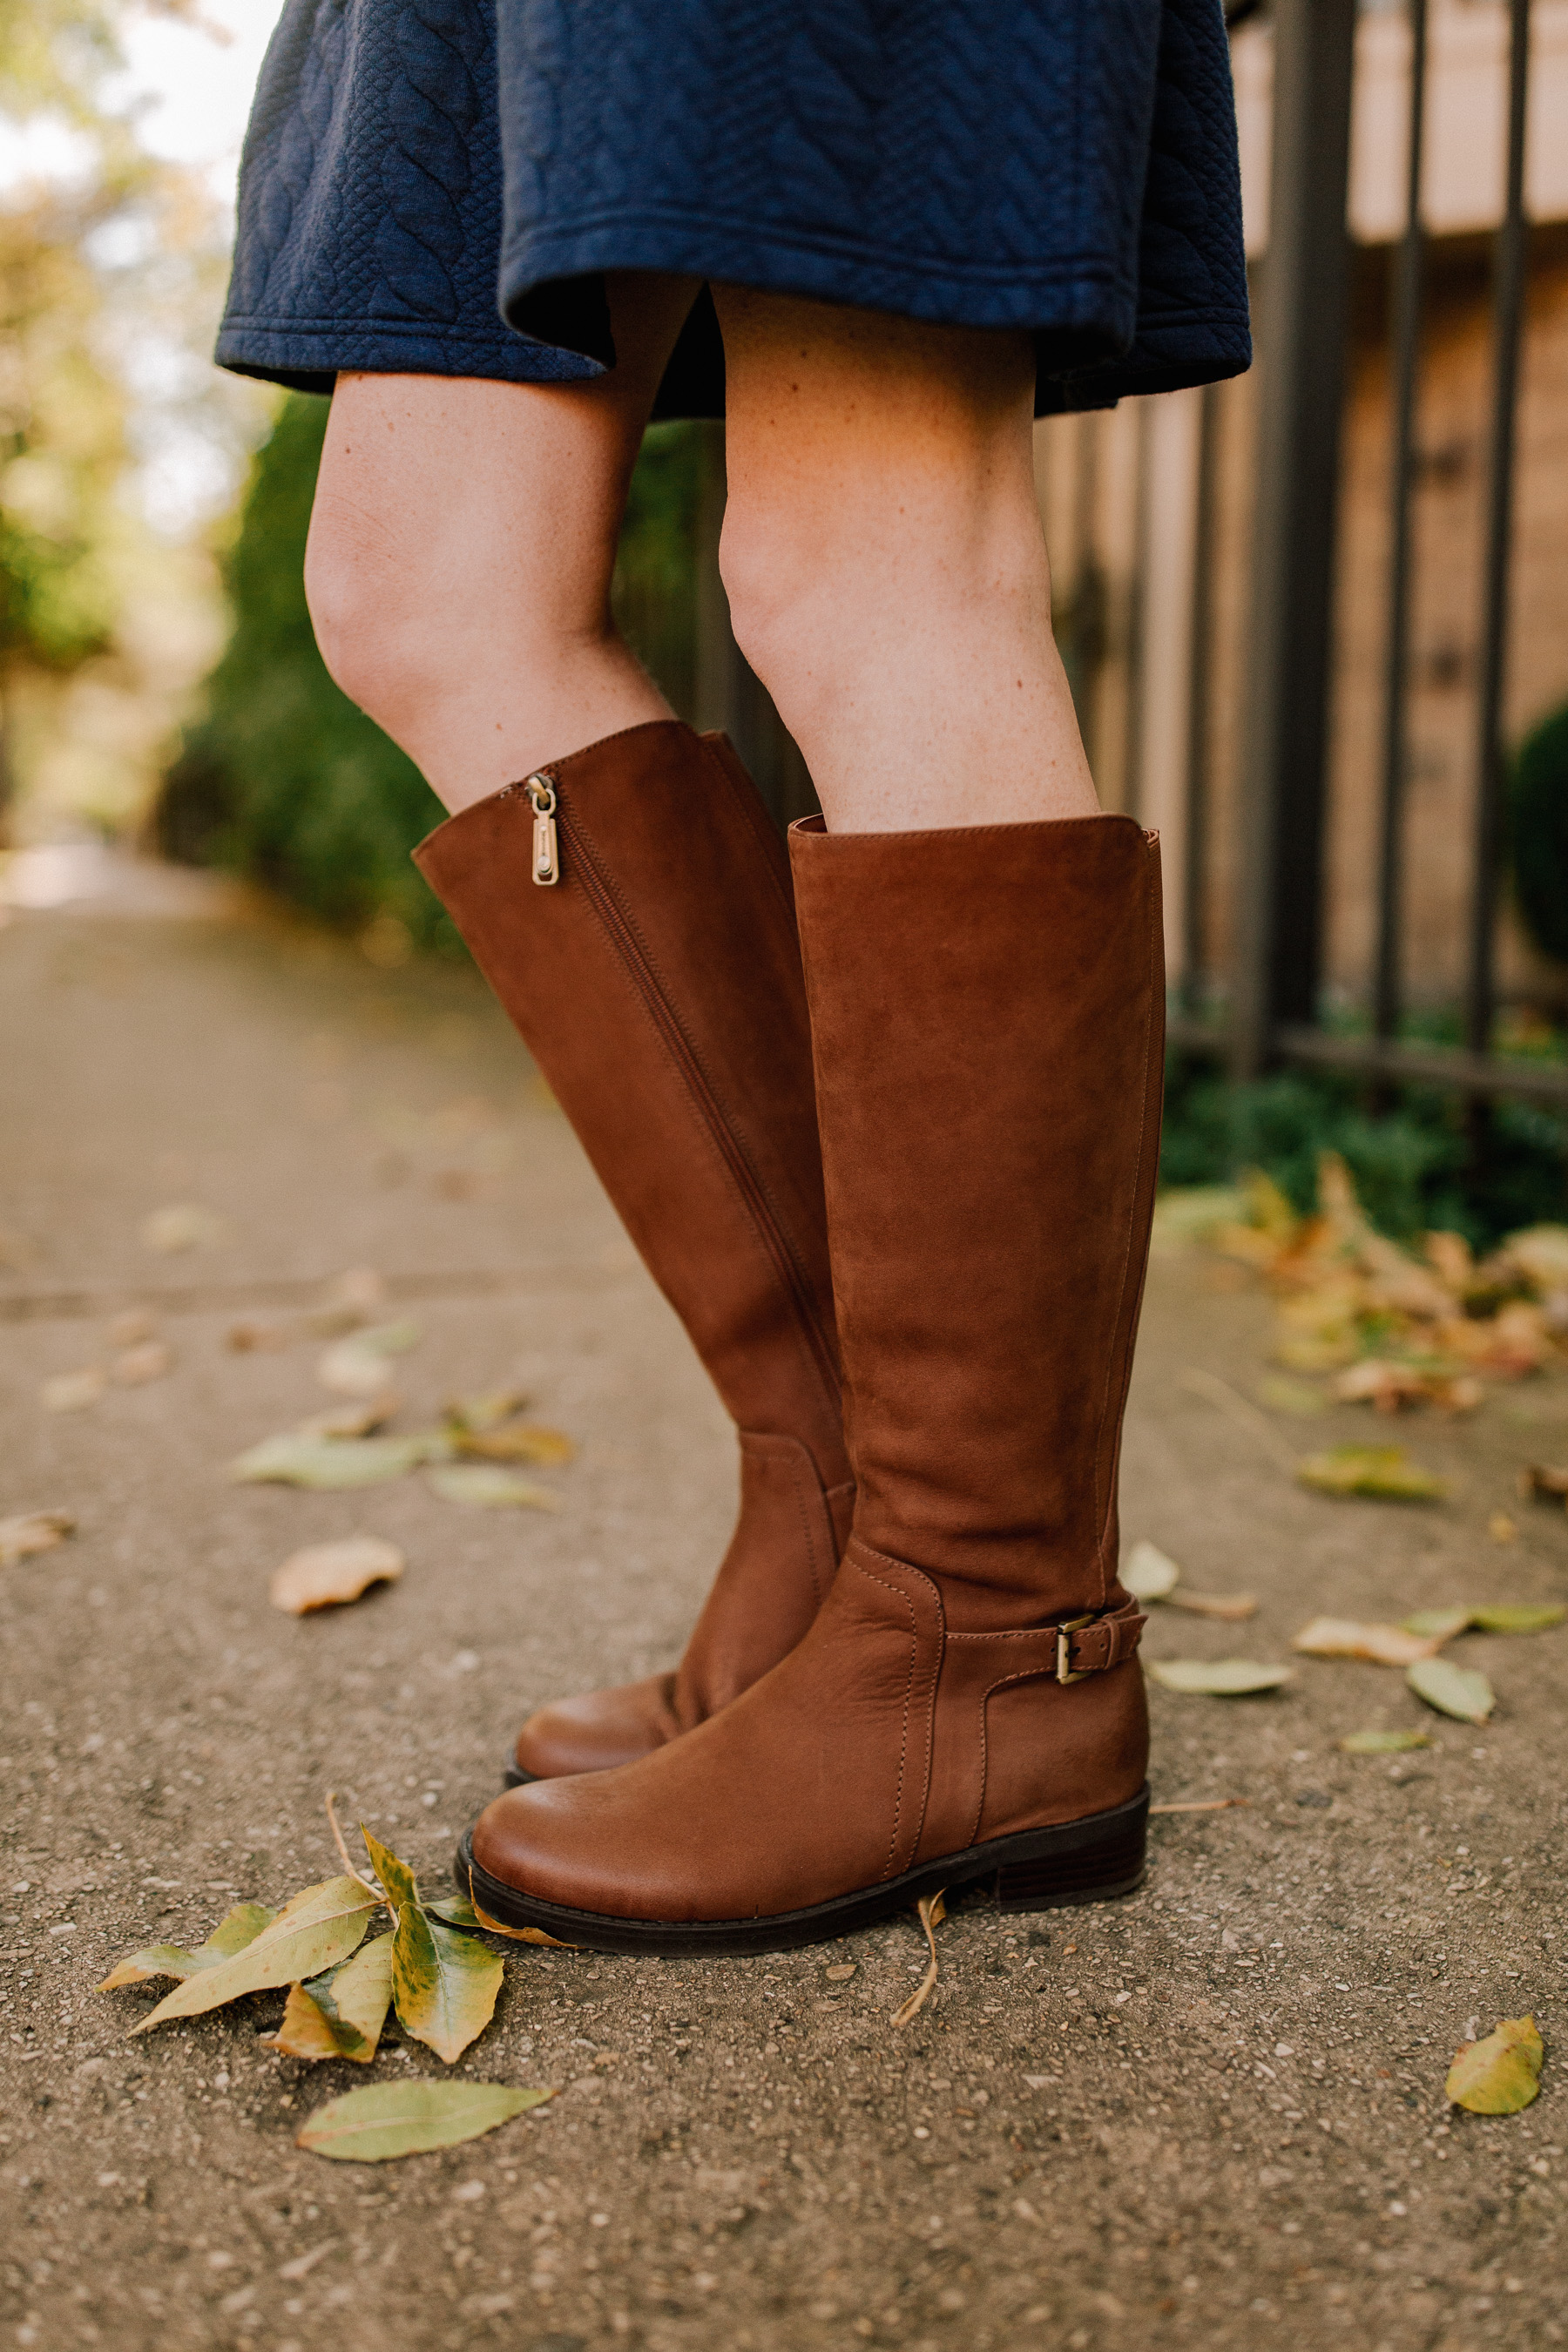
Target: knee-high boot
[
  {"x": 631, "y": 907},
  {"x": 988, "y": 1020}
]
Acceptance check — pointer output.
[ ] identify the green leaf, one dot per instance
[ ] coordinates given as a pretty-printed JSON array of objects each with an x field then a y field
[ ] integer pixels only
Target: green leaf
[
  {"x": 445, "y": 1984},
  {"x": 1499, "y": 2075},
  {"x": 1148, "y": 1573},
  {"x": 1384, "y": 1743},
  {"x": 234, "y": 1931},
  {"x": 456, "y": 1910},
  {"x": 339, "y": 2014},
  {"x": 1219, "y": 1678},
  {"x": 1437, "y": 1624},
  {"x": 1519, "y": 1616},
  {"x": 389, "y": 2119},
  {"x": 477, "y": 1483},
  {"x": 396, "y": 1877},
  {"x": 1384, "y": 1472},
  {"x": 322, "y": 1925},
  {"x": 1451, "y": 1689},
  {"x": 298, "y": 1458},
  {"x": 1298, "y": 1396}
]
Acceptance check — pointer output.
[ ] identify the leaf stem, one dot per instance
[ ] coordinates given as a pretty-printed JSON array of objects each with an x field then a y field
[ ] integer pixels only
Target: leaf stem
[{"x": 369, "y": 1884}]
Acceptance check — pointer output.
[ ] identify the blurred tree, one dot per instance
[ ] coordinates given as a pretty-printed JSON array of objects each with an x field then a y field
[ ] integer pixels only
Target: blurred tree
[{"x": 282, "y": 778}]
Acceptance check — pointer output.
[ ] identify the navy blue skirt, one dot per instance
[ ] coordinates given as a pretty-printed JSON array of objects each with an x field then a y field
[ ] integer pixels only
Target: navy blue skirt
[{"x": 436, "y": 186}]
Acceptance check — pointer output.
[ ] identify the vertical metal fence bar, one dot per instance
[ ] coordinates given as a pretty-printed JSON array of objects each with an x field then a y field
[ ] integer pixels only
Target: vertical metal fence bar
[
  {"x": 1509, "y": 322},
  {"x": 1302, "y": 329},
  {"x": 1405, "y": 339},
  {"x": 1200, "y": 706}
]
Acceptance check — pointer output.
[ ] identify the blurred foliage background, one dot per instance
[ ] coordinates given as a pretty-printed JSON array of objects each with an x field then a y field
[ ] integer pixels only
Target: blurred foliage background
[{"x": 159, "y": 684}]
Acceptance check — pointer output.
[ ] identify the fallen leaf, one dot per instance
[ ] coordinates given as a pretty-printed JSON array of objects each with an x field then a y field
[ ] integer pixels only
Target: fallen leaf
[
  {"x": 323, "y": 1576},
  {"x": 444, "y": 1983},
  {"x": 321, "y": 1926},
  {"x": 136, "y": 1366},
  {"x": 339, "y": 2014},
  {"x": 1519, "y": 1616},
  {"x": 357, "y": 1366},
  {"x": 456, "y": 1909},
  {"x": 1384, "y": 1472},
  {"x": 1499, "y": 2075},
  {"x": 361, "y": 1420},
  {"x": 1219, "y": 1678},
  {"x": 1453, "y": 1690},
  {"x": 1298, "y": 1396},
  {"x": 487, "y": 1488},
  {"x": 1380, "y": 1645},
  {"x": 523, "y": 1441},
  {"x": 1502, "y": 1528},
  {"x": 184, "y": 1226},
  {"x": 1231, "y": 1606},
  {"x": 1436, "y": 1625},
  {"x": 1202, "y": 1805},
  {"x": 1384, "y": 1743},
  {"x": 256, "y": 1335},
  {"x": 390, "y": 2120},
  {"x": 32, "y": 1531},
  {"x": 1391, "y": 1385},
  {"x": 841, "y": 1973},
  {"x": 931, "y": 1911},
  {"x": 485, "y": 1411},
  {"x": 1542, "y": 1481},
  {"x": 234, "y": 1931},
  {"x": 516, "y": 1935},
  {"x": 69, "y": 1391},
  {"x": 295, "y": 1459},
  {"x": 1148, "y": 1573}
]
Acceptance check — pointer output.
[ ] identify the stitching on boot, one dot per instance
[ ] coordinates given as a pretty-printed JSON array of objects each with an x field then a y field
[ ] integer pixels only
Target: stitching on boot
[
  {"x": 909, "y": 1693},
  {"x": 1103, "y": 1512}
]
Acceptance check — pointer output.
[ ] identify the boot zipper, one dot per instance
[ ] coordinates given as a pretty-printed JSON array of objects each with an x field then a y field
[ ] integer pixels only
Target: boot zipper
[{"x": 543, "y": 792}]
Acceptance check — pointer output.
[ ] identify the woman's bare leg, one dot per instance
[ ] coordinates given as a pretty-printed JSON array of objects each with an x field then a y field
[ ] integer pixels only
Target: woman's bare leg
[
  {"x": 461, "y": 546},
  {"x": 886, "y": 566}
]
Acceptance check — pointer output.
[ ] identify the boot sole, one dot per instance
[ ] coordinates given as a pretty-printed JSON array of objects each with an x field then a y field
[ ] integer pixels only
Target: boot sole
[{"x": 1088, "y": 1860}]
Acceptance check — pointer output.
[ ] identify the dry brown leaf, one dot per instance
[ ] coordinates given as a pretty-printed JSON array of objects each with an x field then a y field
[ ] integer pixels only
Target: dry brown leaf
[
  {"x": 1202, "y": 1805},
  {"x": 522, "y": 1441},
  {"x": 1544, "y": 1482},
  {"x": 841, "y": 1973},
  {"x": 1502, "y": 1528},
  {"x": 516, "y": 1935},
  {"x": 69, "y": 1392},
  {"x": 256, "y": 1335},
  {"x": 1389, "y": 1387},
  {"x": 148, "y": 1361},
  {"x": 931, "y": 1911},
  {"x": 1379, "y": 1645},
  {"x": 1230, "y": 1606},
  {"x": 327, "y": 1575},
  {"x": 32, "y": 1531}
]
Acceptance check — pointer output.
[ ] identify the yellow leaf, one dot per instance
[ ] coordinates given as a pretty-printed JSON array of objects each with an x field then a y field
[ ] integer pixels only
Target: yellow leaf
[
  {"x": 399, "y": 1882},
  {"x": 390, "y": 2120},
  {"x": 1233, "y": 1607},
  {"x": 323, "y": 1576},
  {"x": 1499, "y": 2075},
  {"x": 523, "y": 1441},
  {"x": 340, "y": 2014},
  {"x": 321, "y": 1926},
  {"x": 490, "y": 1488},
  {"x": 31, "y": 1532},
  {"x": 1380, "y": 1645},
  {"x": 1384, "y": 1472},
  {"x": 1519, "y": 1616},
  {"x": 234, "y": 1931},
  {"x": 445, "y": 1984},
  {"x": 1451, "y": 1689}
]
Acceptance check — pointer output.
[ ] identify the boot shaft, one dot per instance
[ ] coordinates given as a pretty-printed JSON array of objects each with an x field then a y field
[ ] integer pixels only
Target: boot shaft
[{"x": 987, "y": 1011}]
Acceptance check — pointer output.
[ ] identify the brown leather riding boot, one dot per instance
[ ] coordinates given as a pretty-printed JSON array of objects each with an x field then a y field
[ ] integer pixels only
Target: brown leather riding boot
[
  {"x": 988, "y": 1015},
  {"x": 631, "y": 907}
]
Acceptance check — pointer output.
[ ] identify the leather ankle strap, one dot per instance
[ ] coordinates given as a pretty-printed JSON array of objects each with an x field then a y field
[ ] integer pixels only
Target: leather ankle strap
[{"x": 1091, "y": 1646}]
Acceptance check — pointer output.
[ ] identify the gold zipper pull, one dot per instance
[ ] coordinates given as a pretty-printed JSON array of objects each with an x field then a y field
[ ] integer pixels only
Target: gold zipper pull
[{"x": 546, "y": 849}]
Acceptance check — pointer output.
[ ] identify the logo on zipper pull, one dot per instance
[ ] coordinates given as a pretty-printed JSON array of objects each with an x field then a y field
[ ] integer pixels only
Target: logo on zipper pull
[{"x": 546, "y": 848}]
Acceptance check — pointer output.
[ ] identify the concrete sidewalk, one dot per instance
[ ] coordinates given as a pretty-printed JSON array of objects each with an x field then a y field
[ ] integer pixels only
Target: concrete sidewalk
[{"x": 1209, "y": 2116}]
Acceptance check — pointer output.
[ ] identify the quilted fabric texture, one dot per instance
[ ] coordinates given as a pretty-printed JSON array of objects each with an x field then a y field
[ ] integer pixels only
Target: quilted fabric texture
[{"x": 419, "y": 172}]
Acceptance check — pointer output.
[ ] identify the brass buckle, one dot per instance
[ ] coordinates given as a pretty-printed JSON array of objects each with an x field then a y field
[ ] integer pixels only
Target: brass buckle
[{"x": 1073, "y": 1625}]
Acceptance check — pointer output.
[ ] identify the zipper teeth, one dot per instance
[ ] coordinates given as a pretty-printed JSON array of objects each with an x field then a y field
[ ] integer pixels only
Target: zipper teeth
[{"x": 775, "y": 1240}]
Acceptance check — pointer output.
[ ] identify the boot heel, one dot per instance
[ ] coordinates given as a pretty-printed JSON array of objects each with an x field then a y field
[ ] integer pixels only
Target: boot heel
[{"x": 1094, "y": 1873}]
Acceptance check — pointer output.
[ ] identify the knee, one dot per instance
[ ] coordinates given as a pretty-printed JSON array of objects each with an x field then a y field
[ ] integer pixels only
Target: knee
[
  {"x": 784, "y": 584},
  {"x": 363, "y": 610}
]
